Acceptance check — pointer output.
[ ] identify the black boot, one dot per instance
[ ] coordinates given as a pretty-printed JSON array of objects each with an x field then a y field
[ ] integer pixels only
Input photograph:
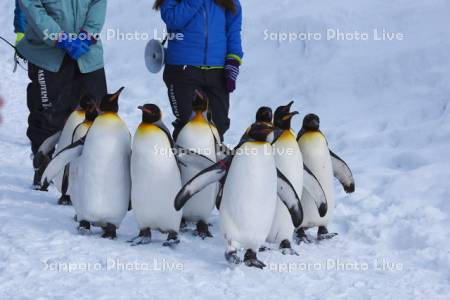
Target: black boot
[
  {"x": 202, "y": 230},
  {"x": 172, "y": 239},
  {"x": 286, "y": 248},
  {"x": 144, "y": 237},
  {"x": 322, "y": 234},
  {"x": 109, "y": 231},
  {"x": 65, "y": 200},
  {"x": 301, "y": 237},
  {"x": 251, "y": 260},
  {"x": 84, "y": 227},
  {"x": 40, "y": 163}
]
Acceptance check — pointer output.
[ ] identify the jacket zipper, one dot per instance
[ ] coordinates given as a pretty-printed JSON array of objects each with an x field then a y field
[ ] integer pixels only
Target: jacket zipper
[{"x": 205, "y": 13}]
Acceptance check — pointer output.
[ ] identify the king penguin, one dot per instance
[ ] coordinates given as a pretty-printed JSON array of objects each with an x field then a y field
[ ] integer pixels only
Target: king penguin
[
  {"x": 200, "y": 136},
  {"x": 289, "y": 161},
  {"x": 291, "y": 165},
  {"x": 324, "y": 164},
  {"x": 103, "y": 188},
  {"x": 80, "y": 132},
  {"x": 249, "y": 195},
  {"x": 76, "y": 118},
  {"x": 155, "y": 178}
]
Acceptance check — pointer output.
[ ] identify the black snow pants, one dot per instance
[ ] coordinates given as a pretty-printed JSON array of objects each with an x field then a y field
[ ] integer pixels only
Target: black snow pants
[
  {"x": 182, "y": 81},
  {"x": 52, "y": 96}
]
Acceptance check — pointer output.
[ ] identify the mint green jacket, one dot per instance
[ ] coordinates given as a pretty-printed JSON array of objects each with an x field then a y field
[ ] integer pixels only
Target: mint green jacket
[{"x": 48, "y": 18}]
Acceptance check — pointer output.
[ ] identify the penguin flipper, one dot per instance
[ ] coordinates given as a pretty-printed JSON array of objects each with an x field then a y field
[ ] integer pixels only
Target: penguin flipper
[
  {"x": 289, "y": 196},
  {"x": 50, "y": 143},
  {"x": 343, "y": 173},
  {"x": 191, "y": 159},
  {"x": 219, "y": 195},
  {"x": 61, "y": 159},
  {"x": 200, "y": 181},
  {"x": 314, "y": 189}
]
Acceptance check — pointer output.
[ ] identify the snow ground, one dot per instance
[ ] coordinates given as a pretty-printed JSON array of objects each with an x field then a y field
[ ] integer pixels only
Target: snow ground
[{"x": 384, "y": 107}]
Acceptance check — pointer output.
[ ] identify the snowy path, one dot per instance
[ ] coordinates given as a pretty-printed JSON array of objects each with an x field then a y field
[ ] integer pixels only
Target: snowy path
[{"x": 385, "y": 107}]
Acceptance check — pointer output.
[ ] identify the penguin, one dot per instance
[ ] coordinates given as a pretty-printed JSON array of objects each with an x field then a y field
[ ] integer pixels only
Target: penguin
[
  {"x": 200, "y": 136},
  {"x": 103, "y": 180},
  {"x": 264, "y": 114},
  {"x": 289, "y": 160},
  {"x": 76, "y": 118},
  {"x": 324, "y": 164},
  {"x": 155, "y": 178},
  {"x": 80, "y": 132},
  {"x": 249, "y": 195}
]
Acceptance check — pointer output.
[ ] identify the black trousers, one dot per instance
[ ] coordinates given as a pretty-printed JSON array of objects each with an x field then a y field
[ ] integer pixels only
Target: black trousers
[
  {"x": 51, "y": 97},
  {"x": 182, "y": 81}
]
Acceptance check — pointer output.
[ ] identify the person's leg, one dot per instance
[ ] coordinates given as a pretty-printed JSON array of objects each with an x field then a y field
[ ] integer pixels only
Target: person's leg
[
  {"x": 48, "y": 101},
  {"x": 219, "y": 99},
  {"x": 93, "y": 83},
  {"x": 181, "y": 84}
]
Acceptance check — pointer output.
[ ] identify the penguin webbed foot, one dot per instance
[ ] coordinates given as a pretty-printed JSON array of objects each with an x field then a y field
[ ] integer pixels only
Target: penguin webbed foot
[
  {"x": 232, "y": 257},
  {"x": 109, "y": 231},
  {"x": 323, "y": 234},
  {"x": 172, "y": 240},
  {"x": 301, "y": 237},
  {"x": 264, "y": 249},
  {"x": 251, "y": 260},
  {"x": 65, "y": 200},
  {"x": 144, "y": 237},
  {"x": 202, "y": 230},
  {"x": 84, "y": 228},
  {"x": 286, "y": 248},
  {"x": 183, "y": 225}
]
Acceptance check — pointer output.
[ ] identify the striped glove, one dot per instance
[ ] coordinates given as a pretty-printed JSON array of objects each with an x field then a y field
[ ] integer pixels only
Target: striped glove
[{"x": 231, "y": 73}]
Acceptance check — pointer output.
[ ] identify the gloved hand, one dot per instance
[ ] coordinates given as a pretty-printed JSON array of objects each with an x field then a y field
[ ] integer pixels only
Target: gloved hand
[
  {"x": 74, "y": 47},
  {"x": 231, "y": 73},
  {"x": 19, "y": 37}
]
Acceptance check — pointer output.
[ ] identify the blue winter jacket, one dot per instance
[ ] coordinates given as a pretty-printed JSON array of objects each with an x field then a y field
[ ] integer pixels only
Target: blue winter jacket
[
  {"x": 210, "y": 33},
  {"x": 20, "y": 22}
]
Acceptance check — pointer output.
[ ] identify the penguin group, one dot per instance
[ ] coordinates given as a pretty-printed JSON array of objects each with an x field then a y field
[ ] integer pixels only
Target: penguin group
[{"x": 269, "y": 189}]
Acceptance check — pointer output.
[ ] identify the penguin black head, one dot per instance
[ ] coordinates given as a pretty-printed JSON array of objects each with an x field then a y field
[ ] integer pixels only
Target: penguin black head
[
  {"x": 150, "y": 113},
  {"x": 311, "y": 122},
  {"x": 264, "y": 114},
  {"x": 91, "y": 111},
  {"x": 200, "y": 102},
  {"x": 283, "y": 116},
  {"x": 85, "y": 101},
  {"x": 283, "y": 109},
  {"x": 261, "y": 132},
  {"x": 110, "y": 102}
]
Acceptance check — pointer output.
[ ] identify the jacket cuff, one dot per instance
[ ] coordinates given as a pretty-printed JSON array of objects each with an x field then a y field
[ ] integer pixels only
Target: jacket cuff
[{"x": 236, "y": 57}]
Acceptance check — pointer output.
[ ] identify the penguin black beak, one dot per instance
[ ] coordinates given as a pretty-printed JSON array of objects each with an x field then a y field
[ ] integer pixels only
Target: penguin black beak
[
  {"x": 289, "y": 115},
  {"x": 140, "y": 107},
  {"x": 290, "y": 105},
  {"x": 115, "y": 96}
]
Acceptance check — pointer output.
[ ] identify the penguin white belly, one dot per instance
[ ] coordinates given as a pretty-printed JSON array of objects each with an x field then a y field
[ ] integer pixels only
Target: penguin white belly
[
  {"x": 75, "y": 118},
  {"x": 74, "y": 166},
  {"x": 105, "y": 182},
  {"x": 198, "y": 137},
  {"x": 249, "y": 197},
  {"x": 317, "y": 158},
  {"x": 289, "y": 161},
  {"x": 155, "y": 180}
]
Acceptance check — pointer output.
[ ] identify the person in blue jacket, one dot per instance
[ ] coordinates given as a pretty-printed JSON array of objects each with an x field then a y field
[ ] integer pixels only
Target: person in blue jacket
[
  {"x": 20, "y": 23},
  {"x": 207, "y": 57}
]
